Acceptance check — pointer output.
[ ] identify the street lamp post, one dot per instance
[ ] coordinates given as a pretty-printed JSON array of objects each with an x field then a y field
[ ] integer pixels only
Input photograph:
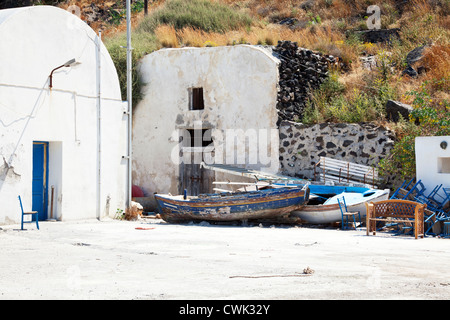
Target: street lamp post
[{"x": 129, "y": 98}]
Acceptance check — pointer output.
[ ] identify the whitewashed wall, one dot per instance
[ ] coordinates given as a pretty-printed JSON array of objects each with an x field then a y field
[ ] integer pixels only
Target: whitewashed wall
[
  {"x": 433, "y": 162},
  {"x": 240, "y": 92},
  {"x": 33, "y": 41}
]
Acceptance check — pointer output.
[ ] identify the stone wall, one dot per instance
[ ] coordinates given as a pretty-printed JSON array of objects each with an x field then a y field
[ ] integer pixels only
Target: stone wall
[
  {"x": 301, "y": 146},
  {"x": 301, "y": 71}
]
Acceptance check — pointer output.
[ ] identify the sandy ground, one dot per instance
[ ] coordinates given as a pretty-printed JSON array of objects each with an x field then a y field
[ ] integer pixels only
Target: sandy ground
[{"x": 114, "y": 260}]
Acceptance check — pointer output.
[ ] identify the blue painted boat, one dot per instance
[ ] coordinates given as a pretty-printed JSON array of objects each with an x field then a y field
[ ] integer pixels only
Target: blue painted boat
[
  {"x": 323, "y": 206},
  {"x": 252, "y": 205}
]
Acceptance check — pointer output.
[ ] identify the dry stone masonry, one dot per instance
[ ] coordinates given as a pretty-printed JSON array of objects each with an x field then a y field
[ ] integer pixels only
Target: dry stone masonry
[
  {"x": 301, "y": 146},
  {"x": 301, "y": 71}
]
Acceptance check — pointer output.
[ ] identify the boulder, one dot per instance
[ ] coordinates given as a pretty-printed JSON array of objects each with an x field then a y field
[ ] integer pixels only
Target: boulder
[
  {"x": 415, "y": 55},
  {"x": 370, "y": 62},
  {"x": 413, "y": 60},
  {"x": 410, "y": 71},
  {"x": 379, "y": 35},
  {"x": 394, "y": 108},
  {"x": 307, "y": 5}
]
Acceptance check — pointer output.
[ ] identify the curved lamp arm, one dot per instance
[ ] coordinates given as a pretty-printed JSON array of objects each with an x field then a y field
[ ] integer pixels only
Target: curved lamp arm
[{"x": 70, "y": 63}]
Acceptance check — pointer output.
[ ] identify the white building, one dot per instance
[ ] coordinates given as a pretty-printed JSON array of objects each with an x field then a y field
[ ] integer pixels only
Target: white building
[
  {"x": 224, "y": 98},
  {"x": 61, "y": 148},
  {"x": 433, "y": 162}
]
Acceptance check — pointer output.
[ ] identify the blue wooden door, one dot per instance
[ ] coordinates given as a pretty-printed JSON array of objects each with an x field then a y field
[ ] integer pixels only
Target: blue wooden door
[{"x": 40, "y": 169}]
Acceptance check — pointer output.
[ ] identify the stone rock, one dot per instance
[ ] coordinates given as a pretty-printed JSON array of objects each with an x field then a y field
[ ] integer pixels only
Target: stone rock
[
  {"x": 288, "y": 21},
  {"x": 379, "y": 35},
  {"x": 410, "y": 71},
  {"x": 369, "y": 62},
  {"x": 413, "y": 59},
  {"x": 415, "y": 55},
  {"x": 307, "y": 5},
  {"x": 394, "y": 108}
]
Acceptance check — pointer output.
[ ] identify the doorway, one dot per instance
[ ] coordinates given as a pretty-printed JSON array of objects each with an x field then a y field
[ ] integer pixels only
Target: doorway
[
  {"x": 40, "y": 178},
  {"x": 195, "y": 179}
]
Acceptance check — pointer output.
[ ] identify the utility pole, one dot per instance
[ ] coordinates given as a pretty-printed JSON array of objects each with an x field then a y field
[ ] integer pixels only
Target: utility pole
[{"x": 130, "y": 102}]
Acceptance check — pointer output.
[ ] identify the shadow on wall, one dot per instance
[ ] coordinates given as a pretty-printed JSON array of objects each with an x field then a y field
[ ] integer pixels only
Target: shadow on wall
[
  {"x": 7, "y": 169},
  {"x": 7, "y": 172}
]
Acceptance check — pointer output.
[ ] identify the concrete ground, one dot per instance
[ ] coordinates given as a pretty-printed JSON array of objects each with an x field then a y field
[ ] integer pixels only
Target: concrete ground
[{"x": 115, "y": 260}]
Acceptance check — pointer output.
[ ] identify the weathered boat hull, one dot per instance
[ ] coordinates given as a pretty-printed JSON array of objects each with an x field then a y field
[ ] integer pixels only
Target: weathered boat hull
[
  {"x": 329, "y": 212},
  {"x": 254, "y": 205}
]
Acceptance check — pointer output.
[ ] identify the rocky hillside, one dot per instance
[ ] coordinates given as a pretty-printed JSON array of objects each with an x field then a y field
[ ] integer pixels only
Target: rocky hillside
[{"x": 342, "y": 60}]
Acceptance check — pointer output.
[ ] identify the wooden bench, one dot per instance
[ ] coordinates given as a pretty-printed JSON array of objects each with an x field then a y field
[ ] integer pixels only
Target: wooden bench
[
  {"x": 343, "y": 171},
  {"x": 396, "y": 211}
]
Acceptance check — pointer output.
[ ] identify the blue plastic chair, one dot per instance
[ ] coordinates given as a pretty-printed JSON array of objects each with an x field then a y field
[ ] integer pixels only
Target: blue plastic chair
[
  {"x": 35, "y": 213},
  {"x": 446, "y": 230},
  {"x": 405, "y": 186},
  {"x": 430, "y": 219},
  {"x": 417, "y": 190},
  {"x": 446, "y": 198},
  {"x": 405, "y": 192},
  {"x": 345, "y": 214},
  {"x": 434, "y": 201},
  {"x": 433, "y": 218}
]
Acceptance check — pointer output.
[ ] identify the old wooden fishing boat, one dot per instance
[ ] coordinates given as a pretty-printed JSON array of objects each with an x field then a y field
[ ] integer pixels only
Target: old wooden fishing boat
[
  {"x": 323, "y": 205},
  {"x": 252, "y": 205}
]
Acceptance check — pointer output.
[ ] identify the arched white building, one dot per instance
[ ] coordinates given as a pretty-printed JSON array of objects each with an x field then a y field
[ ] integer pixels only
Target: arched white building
[{"x": 61, "y": 147}]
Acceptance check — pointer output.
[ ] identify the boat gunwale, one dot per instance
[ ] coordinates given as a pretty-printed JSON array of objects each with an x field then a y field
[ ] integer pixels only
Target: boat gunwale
[
  {"x": 334, "y": 206},
  {"x": 220, "y": 202},
  {"x": 331, "y": 213}
]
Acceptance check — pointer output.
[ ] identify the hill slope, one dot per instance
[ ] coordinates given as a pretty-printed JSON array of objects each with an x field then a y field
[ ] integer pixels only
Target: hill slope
[{"x": 413, "y": 67}]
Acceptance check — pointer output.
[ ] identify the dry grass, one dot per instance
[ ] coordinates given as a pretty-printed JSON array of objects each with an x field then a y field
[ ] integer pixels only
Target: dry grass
[
  {"x": 324, "y": 27},
  {"x": 419, "y": 7},
  {"x": 436, "y": 61},
  {"x": 167, "y": 36},
  {"x": 323, "y": 38},
  {"x": 191, "y": 37},
  {"x": 444, "y": 22},
  {"x": 355, "y": 80}
]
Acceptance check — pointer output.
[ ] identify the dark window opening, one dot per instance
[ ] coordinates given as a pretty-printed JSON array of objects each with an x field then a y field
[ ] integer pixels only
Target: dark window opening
[
  {"x": 198, "y": 138},
  {"x": 197, "y": 102},
  {"x": 443, "y": 165}
]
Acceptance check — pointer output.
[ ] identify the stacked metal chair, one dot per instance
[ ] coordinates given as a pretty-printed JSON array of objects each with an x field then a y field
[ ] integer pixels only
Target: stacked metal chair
[{"x": 436, "y": 210}]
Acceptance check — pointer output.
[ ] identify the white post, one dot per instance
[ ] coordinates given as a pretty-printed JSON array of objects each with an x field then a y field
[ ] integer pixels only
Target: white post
[
  {"x": 129, "y": 98},
  {"x": 99, "y": 125}
]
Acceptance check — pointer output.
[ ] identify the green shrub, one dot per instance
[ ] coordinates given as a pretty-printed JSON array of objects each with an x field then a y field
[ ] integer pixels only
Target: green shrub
[
  {"x": 434, "y": 120},
  {"x": 315, "y": 111},
  {"x": 142, "y": 45},
  {"x": 200, "y": 14},
  {"x": 433, "y": 116},
  {"x": 330, "y": 103},
  {"x": 358, "y": 107},
  {"x": 400, "y": 163}
]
